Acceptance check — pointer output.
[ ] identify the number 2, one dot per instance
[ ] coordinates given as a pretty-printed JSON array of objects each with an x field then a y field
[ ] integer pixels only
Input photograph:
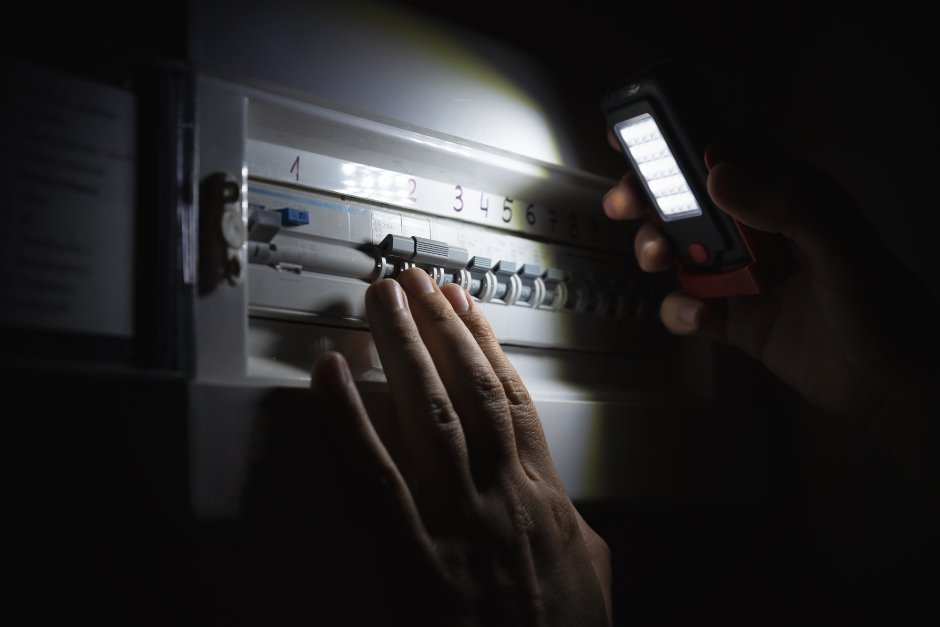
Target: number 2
[{"x": 414, "y": 186}]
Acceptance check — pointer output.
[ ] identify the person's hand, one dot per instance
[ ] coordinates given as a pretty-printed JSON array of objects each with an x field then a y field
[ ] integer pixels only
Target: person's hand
[
  {"x": 479, "y": 505},
  {"x": 851, "y": 329}
]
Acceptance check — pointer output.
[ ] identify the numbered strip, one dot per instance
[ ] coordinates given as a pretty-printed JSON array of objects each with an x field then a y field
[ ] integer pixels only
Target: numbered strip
[{"x": 280, "y": 163}]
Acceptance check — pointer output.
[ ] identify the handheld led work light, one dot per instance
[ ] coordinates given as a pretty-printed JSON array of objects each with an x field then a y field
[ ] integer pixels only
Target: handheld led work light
[{"x": 663, "y": 122}]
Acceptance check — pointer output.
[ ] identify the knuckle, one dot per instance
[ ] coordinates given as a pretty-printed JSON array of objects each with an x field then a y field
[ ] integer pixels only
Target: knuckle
[
  {"x": 439, "y": 409},
  {"x": 517, "y": 394},
  {"x": 482, "y": 383}
]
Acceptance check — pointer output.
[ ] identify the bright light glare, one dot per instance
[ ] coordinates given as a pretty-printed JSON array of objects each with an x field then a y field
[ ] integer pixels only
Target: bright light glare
[
  {"x": 657, "y": 165},
  {"x": 349, "y": 183},
  {"x": 401, "y": 181},
  {"x": 368, "y": 181},
  {"x": 384, "y": 180},
  {"x": 349, "y": 169}
]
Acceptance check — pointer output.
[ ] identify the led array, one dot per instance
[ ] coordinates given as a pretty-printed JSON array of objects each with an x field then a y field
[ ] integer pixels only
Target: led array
[{"x": 658, "y": 167}]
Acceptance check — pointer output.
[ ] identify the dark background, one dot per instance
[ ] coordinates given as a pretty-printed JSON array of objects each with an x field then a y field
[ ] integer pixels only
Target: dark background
[{"x": 97, "y": 481}]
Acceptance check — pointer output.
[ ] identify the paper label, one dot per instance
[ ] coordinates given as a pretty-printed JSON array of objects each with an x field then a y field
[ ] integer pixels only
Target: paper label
[
  {"x": 384, "y": 224},
  {"x": 68, "y": 216},
  {"x": 415, "y": 227}
]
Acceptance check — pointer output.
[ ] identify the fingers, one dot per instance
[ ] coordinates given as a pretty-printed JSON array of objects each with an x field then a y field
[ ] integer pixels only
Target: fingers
[
  {"x": 626, "y": 201},
  {"x": 531, "y": 446},
  {"x": 339, "y": 402},
  {"x": 652, "y": 249},
  {"x": 427, "y": 422},
  {"x": 471, "y": 383}
]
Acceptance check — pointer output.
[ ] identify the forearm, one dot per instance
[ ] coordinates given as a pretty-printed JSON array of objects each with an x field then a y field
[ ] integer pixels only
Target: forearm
[{"x": 908, "y": 422}]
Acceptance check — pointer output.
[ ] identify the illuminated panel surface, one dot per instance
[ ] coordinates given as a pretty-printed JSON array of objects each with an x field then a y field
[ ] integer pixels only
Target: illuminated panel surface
[
  {"x": 571, "y": 223},
  {"x": 658, "y": 168}
]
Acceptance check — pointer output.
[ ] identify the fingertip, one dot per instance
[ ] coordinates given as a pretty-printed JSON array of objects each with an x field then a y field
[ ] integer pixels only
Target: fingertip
[
  {"x": 684, "y": 315},
  {"x": 329, "y": 373},
  {"x": 615, "y": 204},
  {"x": 458, "y": 298},
  {"x": 388, "y": 294},
  {"x": 653, "y": 253},
  {"x": 621, "y": 202}
]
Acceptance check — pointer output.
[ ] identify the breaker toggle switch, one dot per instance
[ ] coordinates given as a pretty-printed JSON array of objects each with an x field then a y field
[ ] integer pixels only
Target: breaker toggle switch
[
  {"x": 556, "y": 292},
  {"x": 442, "y": 262},
  {"x": 508, "y": 284},
  {"x": 579, "y": 295},
  {"x": 599, "y": 300},
  {"x": 482, "y": 280},
  {"x": 533, "y": 287}
]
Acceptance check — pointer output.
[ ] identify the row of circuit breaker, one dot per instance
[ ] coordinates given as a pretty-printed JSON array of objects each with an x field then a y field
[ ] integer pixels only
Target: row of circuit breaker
[{"x": 501, "y": 282}]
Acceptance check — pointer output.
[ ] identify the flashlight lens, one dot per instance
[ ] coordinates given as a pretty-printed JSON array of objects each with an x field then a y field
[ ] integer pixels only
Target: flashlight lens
[{"x": 652, "y": 157}]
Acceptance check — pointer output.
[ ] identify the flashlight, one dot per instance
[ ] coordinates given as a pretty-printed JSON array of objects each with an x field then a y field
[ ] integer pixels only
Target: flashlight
[{"x": 663, "y": 122}]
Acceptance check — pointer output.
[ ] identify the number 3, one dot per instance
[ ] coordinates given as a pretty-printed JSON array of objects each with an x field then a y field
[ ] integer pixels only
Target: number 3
[{"x": 460, "y": 198}]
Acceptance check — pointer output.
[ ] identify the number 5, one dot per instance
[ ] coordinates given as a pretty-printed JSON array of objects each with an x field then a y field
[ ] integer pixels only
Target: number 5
[{"x": 507, "y": 206}]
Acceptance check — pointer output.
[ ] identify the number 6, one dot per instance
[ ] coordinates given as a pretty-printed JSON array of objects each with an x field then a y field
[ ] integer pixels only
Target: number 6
[{"x": 529, "y": 214}]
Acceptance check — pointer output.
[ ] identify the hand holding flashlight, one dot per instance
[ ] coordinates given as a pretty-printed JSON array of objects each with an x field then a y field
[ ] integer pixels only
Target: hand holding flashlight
[{"x": 852, "y": 328}]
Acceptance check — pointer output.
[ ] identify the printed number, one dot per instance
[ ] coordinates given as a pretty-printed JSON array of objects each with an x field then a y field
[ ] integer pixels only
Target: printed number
[
  {"x": 296, "y": 165},
  {"x": 486, "y": 208},
  {"x": 460, "y": 198},
  {"x": 507, "y": 206},
  {"x": 530, "y": 215},
  {"x": 573, "y": 229},
  {"x": 593, "y": 229},
  {"x": 414, "y": 186},
  {"x": 552, "y": 220}
]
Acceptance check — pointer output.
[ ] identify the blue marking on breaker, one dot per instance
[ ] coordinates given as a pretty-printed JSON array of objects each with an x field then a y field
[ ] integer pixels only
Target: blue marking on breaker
[
  {"x": 294, "y": 217},
  {"x": 306, "y": 201}
]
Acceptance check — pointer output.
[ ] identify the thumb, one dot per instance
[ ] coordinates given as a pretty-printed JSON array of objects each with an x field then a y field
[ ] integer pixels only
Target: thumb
[{"x": 804, "y": 205}]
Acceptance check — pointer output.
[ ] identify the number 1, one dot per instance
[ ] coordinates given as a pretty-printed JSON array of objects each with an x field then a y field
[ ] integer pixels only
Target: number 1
[{"x": 296, "y": 165}]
